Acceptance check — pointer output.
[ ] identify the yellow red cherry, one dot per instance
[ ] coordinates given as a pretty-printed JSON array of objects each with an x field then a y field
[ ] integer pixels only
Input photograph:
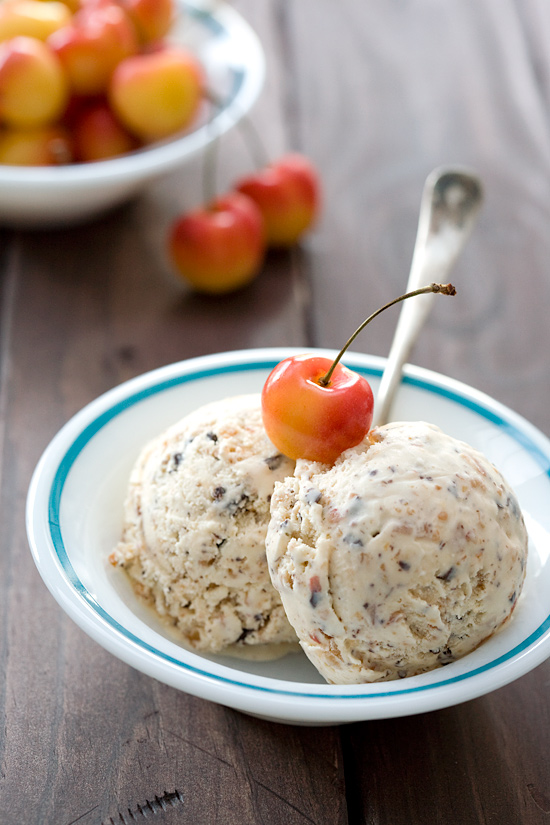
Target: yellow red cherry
[
  {"x": 151, "y": 18},
  {"x": 315, "y": 408},
  {"x": 97, "y": 134},
  {"x": 306, "y": 419},
  {"x": 36, "y": 146},
  {"x": 32, "y": 18},
  {"x": 288, "y": 194},
  {"x": 156, "y": 94},
  {"x": 220, "y": 247},
  {"x": 33, "y": 87},
  {"x": 92, "y": 45}
]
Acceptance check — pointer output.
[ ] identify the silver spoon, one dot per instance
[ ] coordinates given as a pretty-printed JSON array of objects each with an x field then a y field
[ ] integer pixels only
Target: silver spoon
[{"x": 450, "y": 202}]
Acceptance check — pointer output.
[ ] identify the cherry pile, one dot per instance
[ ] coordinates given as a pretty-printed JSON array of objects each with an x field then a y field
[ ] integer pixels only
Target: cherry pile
[{"x": 87, "y": 80}]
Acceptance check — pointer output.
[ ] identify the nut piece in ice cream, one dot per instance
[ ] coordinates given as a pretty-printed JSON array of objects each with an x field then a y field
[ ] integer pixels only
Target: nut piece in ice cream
[
  {"x": 404, "y": 555},
  {"x": 196, "y": 516}
]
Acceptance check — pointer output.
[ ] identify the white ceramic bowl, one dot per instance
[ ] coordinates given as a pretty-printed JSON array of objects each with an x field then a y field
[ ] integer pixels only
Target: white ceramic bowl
[
  {"x": 74, "y": 518},
  {"x": 234, "y": 63}
]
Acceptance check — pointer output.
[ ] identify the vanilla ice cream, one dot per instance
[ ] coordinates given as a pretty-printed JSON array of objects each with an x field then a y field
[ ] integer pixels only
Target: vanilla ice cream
[
  {"x": 404, "y": 555},
  {"x": 196, "y": 516}
]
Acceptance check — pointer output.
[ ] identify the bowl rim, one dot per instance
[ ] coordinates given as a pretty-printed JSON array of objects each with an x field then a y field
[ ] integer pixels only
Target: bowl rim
[
  {"x": 223, "y": 21},
  {"x": 281, "y": 700}
]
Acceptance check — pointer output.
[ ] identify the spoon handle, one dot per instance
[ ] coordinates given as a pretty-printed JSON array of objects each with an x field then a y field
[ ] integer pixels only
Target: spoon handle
[{"x": 449, "y": 206}]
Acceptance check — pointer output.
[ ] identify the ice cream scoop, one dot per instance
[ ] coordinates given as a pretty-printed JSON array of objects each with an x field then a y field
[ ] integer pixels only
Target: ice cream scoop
[
  {"x": 196, "y": 516},
  {"x": 404, "y": 555}
]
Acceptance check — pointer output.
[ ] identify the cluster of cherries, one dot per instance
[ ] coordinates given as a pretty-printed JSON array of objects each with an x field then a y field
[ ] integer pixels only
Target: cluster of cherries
[
  {"x": 220, "y": 247},
  {"x": 86, "y": 80}
]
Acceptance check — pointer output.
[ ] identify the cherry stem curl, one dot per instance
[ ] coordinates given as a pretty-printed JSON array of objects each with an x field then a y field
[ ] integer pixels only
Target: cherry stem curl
[{"x": 442, "y": 289}]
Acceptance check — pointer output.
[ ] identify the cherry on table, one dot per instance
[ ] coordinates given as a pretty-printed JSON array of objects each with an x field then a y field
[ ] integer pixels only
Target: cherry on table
[
  {"x": 219, "y": 247},
  {"x": 288, "y": 194}
]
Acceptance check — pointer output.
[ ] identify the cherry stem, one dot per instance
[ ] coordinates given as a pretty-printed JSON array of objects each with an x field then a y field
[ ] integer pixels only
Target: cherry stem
[
  {"x": 210, "y": 171},
  {"x": 442, "y": 289},
  {"x": 253, "y": 140},
  {"x": 210, "y": 157}
]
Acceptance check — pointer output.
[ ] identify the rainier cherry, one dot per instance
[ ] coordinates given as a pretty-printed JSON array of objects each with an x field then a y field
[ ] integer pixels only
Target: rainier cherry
[
  {"x": 38, "y": 146},
  {"x": 98, "y": 135},
  {"x": 96, "y": 40},
  {"x": 306, "y": 419},
  {"x": 287, "y": 193},
  {"x": 152, "y": 18},
  {"x": 155, "y": 94},
  {"x": 33, "y": 86},
  {"x": 315, "y": 409},
  {"x": 220, "y": 247},
  {"x": 32, "y": 18}
]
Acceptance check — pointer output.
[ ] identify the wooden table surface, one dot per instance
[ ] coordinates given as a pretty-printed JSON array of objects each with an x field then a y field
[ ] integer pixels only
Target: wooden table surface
[{"x": 377, "y": 94}]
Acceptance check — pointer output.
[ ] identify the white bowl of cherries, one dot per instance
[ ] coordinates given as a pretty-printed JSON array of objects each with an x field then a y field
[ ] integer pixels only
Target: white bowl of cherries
[{"x": 166, "y": 77}]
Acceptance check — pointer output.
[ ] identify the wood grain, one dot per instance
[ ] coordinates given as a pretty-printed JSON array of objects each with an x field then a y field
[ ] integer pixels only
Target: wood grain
[{"x": 377, "y": 94}]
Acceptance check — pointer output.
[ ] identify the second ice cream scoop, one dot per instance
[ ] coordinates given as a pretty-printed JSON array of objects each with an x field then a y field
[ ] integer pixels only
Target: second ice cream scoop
[{"x": 405, "y": 554}]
